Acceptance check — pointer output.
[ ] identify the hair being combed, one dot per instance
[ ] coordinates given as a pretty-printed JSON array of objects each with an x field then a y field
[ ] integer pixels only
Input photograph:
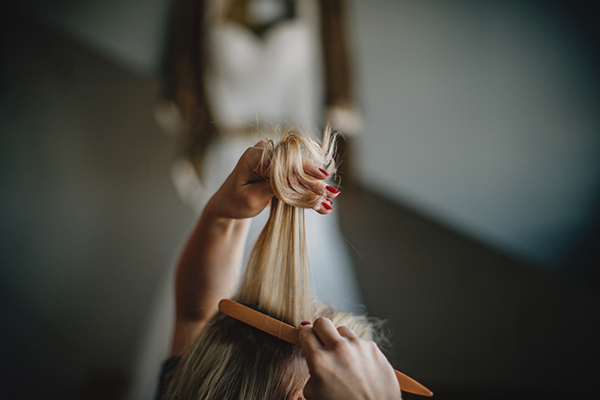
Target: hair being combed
[{"x": 231, "y": 360}]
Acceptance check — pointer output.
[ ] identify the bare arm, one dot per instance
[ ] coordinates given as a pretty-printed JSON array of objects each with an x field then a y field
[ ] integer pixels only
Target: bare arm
[
  {"x": 211, "y": 260},
  {"x": 206, "y": 273}
]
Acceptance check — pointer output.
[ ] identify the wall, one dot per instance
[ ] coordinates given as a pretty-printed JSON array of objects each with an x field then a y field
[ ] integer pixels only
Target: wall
[
  {"x": 90, "y": 223},
  {"x": 483, "y": 115}
]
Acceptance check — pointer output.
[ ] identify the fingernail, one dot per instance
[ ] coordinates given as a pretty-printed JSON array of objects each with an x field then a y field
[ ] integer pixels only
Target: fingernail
[
  {"x": 327, "y": 206},
  {"x": 304, "y": 323},
  {"x": 323, "y": 171},
  {"x": 332, "y": 189},
  {"x": 329, "y": 201}
]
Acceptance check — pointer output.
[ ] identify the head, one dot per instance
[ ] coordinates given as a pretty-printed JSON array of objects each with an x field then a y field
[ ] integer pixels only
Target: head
[{"x": 231, "y": 360}]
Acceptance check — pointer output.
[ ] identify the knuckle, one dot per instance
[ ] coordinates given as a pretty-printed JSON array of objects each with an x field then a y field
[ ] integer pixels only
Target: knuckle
[
  {"x": 375, "y": 351},
  {"x": 320, "y": 322},
  {"x": 344, "y": 347},
  {"x": 365, "y": 346}
]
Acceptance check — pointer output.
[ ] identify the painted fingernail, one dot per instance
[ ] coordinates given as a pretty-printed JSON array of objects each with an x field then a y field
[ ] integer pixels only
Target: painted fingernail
[
  {"x": 329, "y": 201},
  {"x": 332, "y": 189},
  {"x": 304, "y": 323},
  {"x": 327, "y": 206},
  {"x": 323, "y": 171}
]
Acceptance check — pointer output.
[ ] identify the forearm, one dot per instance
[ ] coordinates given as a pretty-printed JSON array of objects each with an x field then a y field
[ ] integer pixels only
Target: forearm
[{"x": 209, "y": 265}]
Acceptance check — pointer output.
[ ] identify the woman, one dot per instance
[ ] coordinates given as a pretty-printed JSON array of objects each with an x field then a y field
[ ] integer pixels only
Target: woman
[{"x": 217, "y": 357}]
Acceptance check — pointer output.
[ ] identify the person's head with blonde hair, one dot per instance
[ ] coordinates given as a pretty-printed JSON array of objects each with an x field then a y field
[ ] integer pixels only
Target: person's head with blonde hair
[{"x": 231, "y": 360}]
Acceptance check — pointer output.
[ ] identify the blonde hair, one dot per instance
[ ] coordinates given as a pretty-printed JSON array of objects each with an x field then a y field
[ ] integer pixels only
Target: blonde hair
[{"x": 231, "y": 360}]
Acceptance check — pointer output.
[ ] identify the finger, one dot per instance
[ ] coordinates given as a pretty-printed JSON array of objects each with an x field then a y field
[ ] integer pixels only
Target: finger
[
  {"x": 303, "y": 181},
  {"x": 257, "y": 159},
  {"x": 320, "y": 187},
  {"x": 314, "y": 170},
  {"x": 324, "y": 206},
  {"x": 348, "y": 333},
  {"x": 326, "y": 332},
  {"x": 309, "y": 342},
  {"x": 307, "y": 337},
  {"x": 251, "y": 157},
  {"x": 331, "y": 192},
  {"x": 262, "y": 144}
]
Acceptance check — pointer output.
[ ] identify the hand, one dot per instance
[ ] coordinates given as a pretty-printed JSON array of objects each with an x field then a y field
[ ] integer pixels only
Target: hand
[
  {"x": 343, "y": 366},
  {"x": 247, "y": 190}
]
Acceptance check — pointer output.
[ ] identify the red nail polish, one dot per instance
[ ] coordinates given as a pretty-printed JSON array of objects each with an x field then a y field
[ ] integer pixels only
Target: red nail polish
[
  {"x": 332, "y": 189},
  {"x": 327, "y": 206},
  {"x": 304, "y": 323},
  {"x": 323, "y": 171}
]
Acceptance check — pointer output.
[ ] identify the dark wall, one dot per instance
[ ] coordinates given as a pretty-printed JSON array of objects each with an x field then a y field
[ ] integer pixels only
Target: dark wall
[
  {"x": 465, "y": 319},
  {"x": 89, "y": 221}
]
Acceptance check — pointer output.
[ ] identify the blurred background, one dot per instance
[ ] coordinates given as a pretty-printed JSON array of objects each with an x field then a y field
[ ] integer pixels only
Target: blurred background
[{"x": 474, "y": 226}]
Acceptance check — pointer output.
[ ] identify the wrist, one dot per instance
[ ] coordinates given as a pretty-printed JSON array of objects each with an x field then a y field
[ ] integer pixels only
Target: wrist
[
  {"x": 218, "y": 207},
  {"x": 215, "y": 214}
]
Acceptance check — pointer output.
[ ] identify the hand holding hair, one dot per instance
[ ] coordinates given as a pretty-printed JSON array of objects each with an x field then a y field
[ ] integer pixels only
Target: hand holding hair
[
  {"x": 343, "y": 366},
  {"x": 247, "y": 190}
]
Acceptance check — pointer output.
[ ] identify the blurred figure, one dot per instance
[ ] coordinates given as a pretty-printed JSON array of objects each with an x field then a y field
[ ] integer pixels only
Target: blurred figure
[{"x": 236, "y": 68}]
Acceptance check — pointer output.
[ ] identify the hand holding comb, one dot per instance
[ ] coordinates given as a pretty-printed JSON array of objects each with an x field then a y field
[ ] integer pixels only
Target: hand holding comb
[{"x": 289, "y": 333}]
